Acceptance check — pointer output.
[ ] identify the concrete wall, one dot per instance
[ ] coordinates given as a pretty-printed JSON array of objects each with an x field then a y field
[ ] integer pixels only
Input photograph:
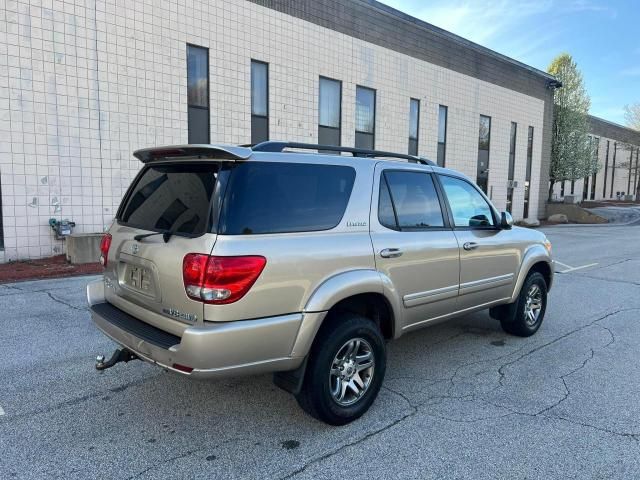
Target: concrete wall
[{"x": 83, "y": 83}]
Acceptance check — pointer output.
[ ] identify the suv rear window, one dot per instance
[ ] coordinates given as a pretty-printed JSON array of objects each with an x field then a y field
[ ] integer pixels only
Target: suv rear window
[
  {"x": 270, "y": 197},
  {"x": 174, "y": 198}
]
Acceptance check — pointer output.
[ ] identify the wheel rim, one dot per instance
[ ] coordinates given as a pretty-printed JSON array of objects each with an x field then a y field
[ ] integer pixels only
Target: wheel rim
[
  {"x": 533, "y": 305},
  {"x": 351, "y": 372}
]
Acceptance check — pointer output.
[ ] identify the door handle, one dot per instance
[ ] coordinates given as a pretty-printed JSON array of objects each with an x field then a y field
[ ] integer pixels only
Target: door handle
[
  {"x": 390, "y": 253},
  {"x": 470, "y": 246}
]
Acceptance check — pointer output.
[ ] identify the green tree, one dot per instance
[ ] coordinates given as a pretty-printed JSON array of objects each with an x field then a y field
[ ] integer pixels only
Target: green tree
[
  {"x": 632, "y": 115},
  {"x": 571, "y": 152}
]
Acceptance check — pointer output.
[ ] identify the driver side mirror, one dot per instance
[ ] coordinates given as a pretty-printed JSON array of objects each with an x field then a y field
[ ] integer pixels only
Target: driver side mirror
[{"x": 506, "y": 221}]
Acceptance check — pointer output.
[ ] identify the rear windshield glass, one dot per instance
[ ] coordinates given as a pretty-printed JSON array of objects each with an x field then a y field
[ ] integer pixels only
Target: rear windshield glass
[
  {"x": 172, "y": 198},
  {"x": 285, "y": 197}
]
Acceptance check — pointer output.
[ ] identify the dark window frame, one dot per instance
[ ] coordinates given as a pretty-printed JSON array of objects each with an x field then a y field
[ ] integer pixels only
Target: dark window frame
[
  {"x": 375, "y": 114},
  {"x": 527, "y": 182},
  {"x": 606, "y": 167},
  {"x": 613, "y": 167},
  {"x": 415, "y": 140},
  {"x": 444, "y": 143},
  {"x": 440, "y": 195},
  {"x": 320, "y": 126},
  {"x": 488, "y": 150},
  {"x": 595, "y": 173},
  {"x": 198, "y": 107},
  {"x": 494, "y": 212},
  {"x": 262, "y": 117},
  {"x": 513, "y": 139}
]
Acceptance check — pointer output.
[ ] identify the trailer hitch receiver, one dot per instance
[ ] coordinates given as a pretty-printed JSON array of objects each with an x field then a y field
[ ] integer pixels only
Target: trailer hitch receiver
[{"x": 120, "y": 355}]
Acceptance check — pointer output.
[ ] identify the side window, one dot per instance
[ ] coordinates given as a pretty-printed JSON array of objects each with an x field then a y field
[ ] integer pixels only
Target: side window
[
  {"x": 469, "y": 208},
  {"x": 408, "y": 201}
]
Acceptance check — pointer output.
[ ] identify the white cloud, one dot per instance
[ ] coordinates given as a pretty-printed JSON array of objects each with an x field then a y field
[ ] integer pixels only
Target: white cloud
[{"x": 478, "y": 20}]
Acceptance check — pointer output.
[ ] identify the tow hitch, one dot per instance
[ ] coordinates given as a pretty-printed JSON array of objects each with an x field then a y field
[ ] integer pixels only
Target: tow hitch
[{"x": 120, "y": 355}]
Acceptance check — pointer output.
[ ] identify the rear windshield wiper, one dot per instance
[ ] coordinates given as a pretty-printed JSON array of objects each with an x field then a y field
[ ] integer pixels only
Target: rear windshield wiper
[{"x": 166, "y": 235}]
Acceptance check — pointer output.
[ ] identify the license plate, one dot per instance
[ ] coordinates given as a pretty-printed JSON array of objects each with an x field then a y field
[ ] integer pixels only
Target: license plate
[{"x": 139, "y": 278}]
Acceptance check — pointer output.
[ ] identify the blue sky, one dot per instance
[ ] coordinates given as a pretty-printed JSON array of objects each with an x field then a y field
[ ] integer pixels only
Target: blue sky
[{"x": 603, "y": 37}]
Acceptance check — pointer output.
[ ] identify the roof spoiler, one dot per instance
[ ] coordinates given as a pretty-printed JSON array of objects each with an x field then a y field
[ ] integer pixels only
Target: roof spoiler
[{"x": 223, "y": 152}]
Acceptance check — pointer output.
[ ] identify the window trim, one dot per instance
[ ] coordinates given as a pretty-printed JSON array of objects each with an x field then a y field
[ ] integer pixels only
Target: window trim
[
  {"x": 439, "y": 193},
  {"x": 417, "y": 138},
  {"x": 494, "y": 212},
  {"x": 264, "y": 117},
  {"x": 375, "y": 113},
  {"x": 438, "y": 142},
  {"x": 198, "y": 107},
  {"x": 339, "y": 128}
]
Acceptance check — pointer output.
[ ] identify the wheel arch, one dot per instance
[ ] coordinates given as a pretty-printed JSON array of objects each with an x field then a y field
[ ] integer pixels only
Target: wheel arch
[{"x": 536, "y": 259}]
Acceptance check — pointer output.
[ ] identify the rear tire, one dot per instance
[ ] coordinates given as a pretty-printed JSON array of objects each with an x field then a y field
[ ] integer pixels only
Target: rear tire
[
  {"x": 524, "y": 317},
  {"x": 346, "y": 368}
]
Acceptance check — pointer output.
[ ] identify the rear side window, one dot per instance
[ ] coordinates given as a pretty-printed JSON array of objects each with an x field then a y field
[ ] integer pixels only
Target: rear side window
[
  {"x": 174, "y": 198},
  {"x": 270, "y": 197},
  {"x": 408, "y": 201}
]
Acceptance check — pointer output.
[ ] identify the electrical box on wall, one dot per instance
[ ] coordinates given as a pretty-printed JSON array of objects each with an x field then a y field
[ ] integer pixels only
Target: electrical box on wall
[{"x": 61, "y": 228}]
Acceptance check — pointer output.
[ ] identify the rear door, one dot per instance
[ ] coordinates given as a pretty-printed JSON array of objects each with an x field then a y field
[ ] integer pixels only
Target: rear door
[
  {"x": 144, "y": 271},
  {"x": 413, "y": 242},
  {"x": 489, "y": 256}
]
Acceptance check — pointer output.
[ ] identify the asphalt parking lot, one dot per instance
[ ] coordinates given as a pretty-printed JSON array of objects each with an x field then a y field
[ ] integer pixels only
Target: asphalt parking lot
[{"x": 460, "y": 400}]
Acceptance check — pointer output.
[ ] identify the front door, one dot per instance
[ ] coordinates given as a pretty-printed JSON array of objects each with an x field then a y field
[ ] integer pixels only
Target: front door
[
  {"x": 413, "y": 242},
  {"x": 489, "y": 256}
]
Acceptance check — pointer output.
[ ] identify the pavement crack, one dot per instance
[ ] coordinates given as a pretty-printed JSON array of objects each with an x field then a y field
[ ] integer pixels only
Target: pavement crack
[
  {"x": 413, "y": 410},
  {"x": 501, "y": 370},
  {"x": 62, "y": 302}
]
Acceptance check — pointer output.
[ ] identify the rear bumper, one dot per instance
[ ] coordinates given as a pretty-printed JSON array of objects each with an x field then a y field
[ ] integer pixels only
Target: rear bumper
[{"x": 216, "y": 350}]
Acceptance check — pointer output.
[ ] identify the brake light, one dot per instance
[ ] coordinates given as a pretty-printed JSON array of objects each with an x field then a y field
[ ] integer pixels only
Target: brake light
[
  {"x": 220, "y": 280},
  {"x": 105, "y": 244}
]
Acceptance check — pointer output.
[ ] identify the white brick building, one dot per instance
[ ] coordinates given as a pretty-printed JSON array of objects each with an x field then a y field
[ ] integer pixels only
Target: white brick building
[{"x": 83, "y": 83}]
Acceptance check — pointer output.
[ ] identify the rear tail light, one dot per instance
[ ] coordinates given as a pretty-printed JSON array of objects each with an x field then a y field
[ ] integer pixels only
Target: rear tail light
[
  {"x": 220, "y": 280},
  {"x": 105, "y": 244}
]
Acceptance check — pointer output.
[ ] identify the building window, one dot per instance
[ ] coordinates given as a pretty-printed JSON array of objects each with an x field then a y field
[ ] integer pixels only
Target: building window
[
  {"x": 512, "y": 165},
  {"x": 198, "y": 94},
  {"x": 329, "y": 111},
  {"x": 442, "y": 134},
  {"x": 596, "y": 149},
  {"x": 365, "y": 117},
  {"x": 259, "y": 101},
  {"x": 484, "y": 140},
  {"x": 613, "y": 166},
  {"x": 606, "y": 167},
  {"x": 414, "y": 125},
  {"x": 562, "y": 185},
  {"x": 527, "y": 181}
]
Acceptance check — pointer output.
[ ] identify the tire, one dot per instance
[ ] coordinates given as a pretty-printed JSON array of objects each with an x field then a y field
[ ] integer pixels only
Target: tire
[
  {"x": 519, "y": 318},
  {"x": 339, "y": 339}
]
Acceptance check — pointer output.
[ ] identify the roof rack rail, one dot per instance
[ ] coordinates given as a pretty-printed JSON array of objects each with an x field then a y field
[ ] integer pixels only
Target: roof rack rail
[{"x": 275, "y": 146}]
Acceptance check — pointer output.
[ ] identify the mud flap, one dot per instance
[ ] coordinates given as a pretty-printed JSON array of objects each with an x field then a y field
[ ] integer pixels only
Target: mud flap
[{"x": 292, "y": 380}]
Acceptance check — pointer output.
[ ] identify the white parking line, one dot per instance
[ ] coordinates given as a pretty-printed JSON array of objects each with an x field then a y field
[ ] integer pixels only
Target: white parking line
[
  {"x": 1, "y": 411},
  {"x": 563, "y": 264},
  {"x": 573, "y": 269}
]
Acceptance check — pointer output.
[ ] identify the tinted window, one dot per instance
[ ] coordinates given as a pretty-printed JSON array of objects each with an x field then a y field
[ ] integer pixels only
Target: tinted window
[
  {"x": 329, "y": 103},
  {"x": 414, "y": 200},
  {"x": 414, "y": 125},
  {"x": 175, "y": 198},
  {"x": 386, "y": 214},
  {"x": 442, "y": 134},
  {"x": 468, "y": 206},
  {"x": 285, "y": 197}
]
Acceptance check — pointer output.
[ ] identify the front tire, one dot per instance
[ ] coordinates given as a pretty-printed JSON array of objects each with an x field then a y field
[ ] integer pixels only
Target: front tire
[
  {"x": 346, "y": 368},
  {"x": 524, "y": 317}
]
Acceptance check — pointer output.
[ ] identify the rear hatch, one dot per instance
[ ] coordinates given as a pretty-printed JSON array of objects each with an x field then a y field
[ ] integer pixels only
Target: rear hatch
[{"x": 168, "y": 212}]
